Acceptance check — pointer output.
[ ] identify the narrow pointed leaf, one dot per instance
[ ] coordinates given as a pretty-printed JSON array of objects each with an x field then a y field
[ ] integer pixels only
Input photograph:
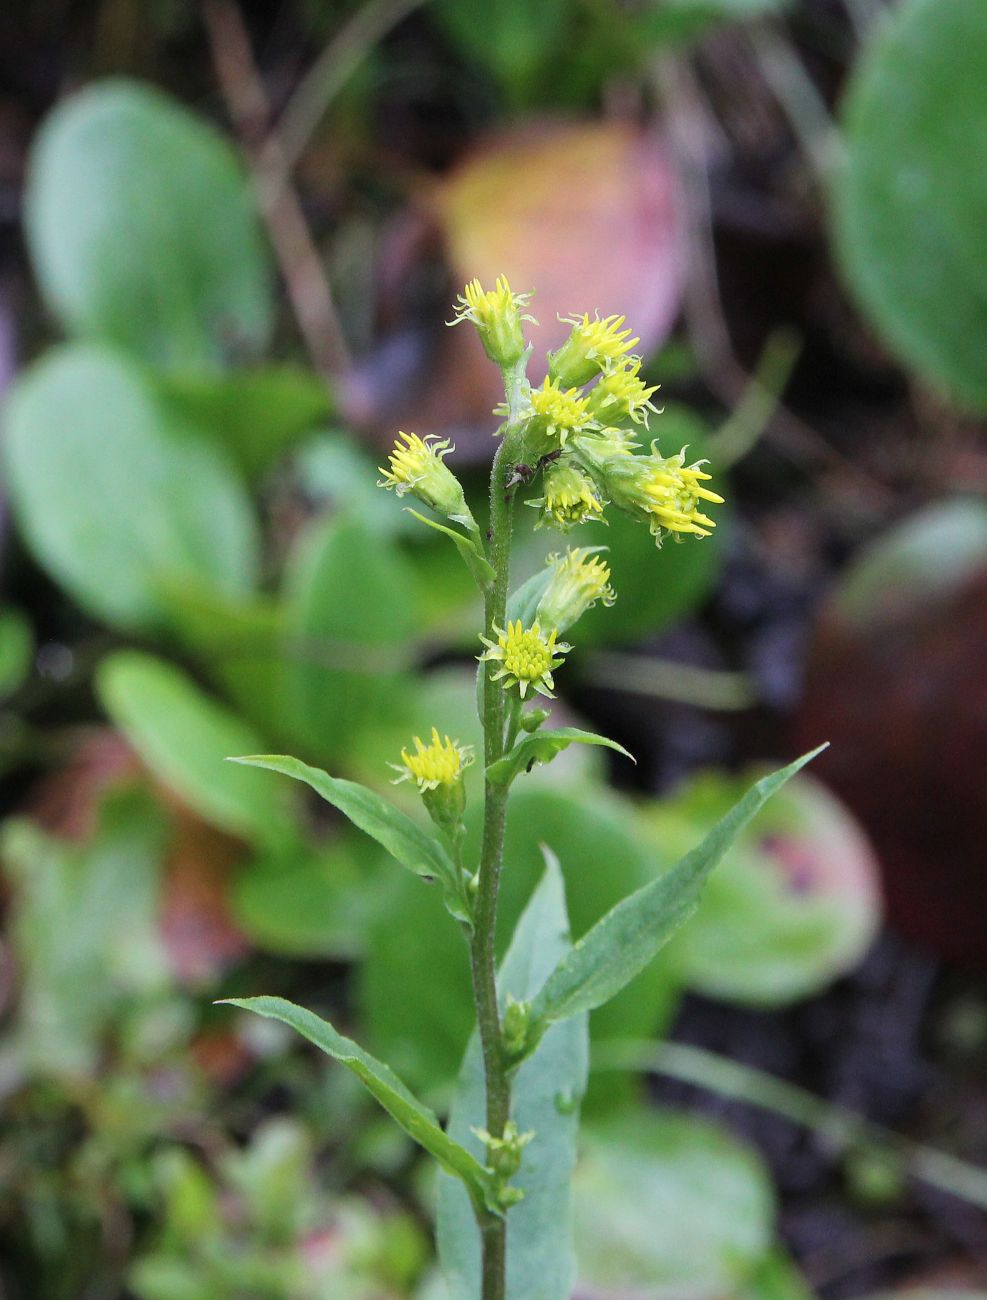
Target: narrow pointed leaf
[
  {"x": 546, "y": 1094},
  {"x": 404, "y": 839},
  {"x": 477, "y": 564},
  {"x": 625, "y": 940},
  {"x": 417, "y": 1120},
  {"x": 541, "y": 747}
]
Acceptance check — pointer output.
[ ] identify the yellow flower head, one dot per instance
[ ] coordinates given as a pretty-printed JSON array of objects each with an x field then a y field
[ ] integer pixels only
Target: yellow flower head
[
  {"x": 570, "y": 497},
  {"x": 526, "y": 656},
  {"x": 592, "y": 346},
  {"x": 622, "y": 394},
  {"x": 415, "y": 465},
  {"x": 664, "y": 491},
  {"x": 557, "y": 412},
  {"x": 579, "y": 579},
  {"x": 497, "y": 314},
  {"x": 440, "y": 763}
]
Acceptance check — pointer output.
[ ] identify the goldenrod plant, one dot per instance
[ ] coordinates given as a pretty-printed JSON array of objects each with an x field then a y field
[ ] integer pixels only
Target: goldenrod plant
[{"x": 508, "y": 1150}]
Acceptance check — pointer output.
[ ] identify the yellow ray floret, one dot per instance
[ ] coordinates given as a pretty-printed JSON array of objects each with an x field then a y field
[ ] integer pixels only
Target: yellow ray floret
[
  {"x": 622, "y": 394},
  {"x": 411, "y": 460},
  {"x": 526, "y": 657},
  {"x": 579, "y": 579},
  {"x": 497, "y": 314},
  {"x": 440, "y": 763},
  {"x": 674, "y": 493}
]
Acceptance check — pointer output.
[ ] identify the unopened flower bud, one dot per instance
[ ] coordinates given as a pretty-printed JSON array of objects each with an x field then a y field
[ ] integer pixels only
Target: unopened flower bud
[
  {"x": 504, "y": 1154},
  {"x": 416, "y": 465},
  {"x": 592, "y": 346},
  {"x": 533, "y": 719},
  {"x": 517, "y": 1017},
  {"x": 497, "y": 314},
  {"x": 579, "y": 579}
]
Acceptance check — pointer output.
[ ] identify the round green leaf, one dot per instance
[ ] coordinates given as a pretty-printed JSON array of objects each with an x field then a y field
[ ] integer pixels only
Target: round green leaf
[
  {"x": 911, "y": 201},
  {"x": 794, "y": 904},
  {"x": 112, "y": 498},
  {"x": 312, "y": 904},
  {"x": 349, "y": 622},
  {"x": 142, "y": 229},
  {"x": 185, "y": 737},
  {"x": 665, "y": 1205}
]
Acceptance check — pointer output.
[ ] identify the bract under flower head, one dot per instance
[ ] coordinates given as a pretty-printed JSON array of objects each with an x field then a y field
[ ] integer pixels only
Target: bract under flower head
[
  {"x": 415, "y": 465},
  {"x": 439, "y": 763},
  {"x": 497, "y": 314},
  {"x": 592, "y": 346},
  {"x": 526, "y": 656},
  {"x": 570, "y": 497},
  {"x": 579, "y": 579},
  {"x": 623, "y": 395}
]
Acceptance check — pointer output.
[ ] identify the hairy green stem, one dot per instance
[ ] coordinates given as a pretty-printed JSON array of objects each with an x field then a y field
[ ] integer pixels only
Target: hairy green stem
[{"x": 482, "y": 948}]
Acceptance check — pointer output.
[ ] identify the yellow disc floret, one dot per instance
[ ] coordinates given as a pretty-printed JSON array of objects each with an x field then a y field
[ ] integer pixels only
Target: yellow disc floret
[
  {"x": 439, "y": 763},
  {"x": 526, "y": 657}
]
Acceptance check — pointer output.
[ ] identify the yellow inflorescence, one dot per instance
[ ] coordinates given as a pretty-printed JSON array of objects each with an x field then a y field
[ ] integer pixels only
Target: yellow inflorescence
[
  {"x": 435, "y": 764},
  {"x": 603, "y": 341},
  {"x": 673, "y": 492},
  {"x": 526, "y": 656},
  {"x": 579, "y": 579},
  {"x": 561, "y": 411},
  {"x": 623, "y": 394},
  {"x": 570, "y": 498},
  {"x": 411, "y": 460}
]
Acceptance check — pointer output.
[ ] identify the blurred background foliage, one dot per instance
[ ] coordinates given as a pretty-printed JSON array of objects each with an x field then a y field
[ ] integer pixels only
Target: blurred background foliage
[{"x": 229, "y": 238}]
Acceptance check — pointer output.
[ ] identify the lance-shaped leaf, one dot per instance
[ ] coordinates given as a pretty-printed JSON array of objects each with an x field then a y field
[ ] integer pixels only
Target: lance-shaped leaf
[
  {"x": 404, "y": 839},
  {"x": 546, "y": 1094},
  {"x": 541, "y": 747},
  {"x": 610, "y": 954},
  {"x": 476, "y": 562},
  {"x": 379, "y": 1080}
]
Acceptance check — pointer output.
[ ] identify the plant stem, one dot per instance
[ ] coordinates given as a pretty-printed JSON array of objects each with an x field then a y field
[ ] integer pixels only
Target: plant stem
[{"x": 482, "y": 947}]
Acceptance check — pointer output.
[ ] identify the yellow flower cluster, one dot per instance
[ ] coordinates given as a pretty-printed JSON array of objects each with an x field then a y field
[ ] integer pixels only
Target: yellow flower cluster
[
  {"x": 416, "y": 465},
  {"x": 439, "y": 763},
  {"x": 526, "y": 657}
]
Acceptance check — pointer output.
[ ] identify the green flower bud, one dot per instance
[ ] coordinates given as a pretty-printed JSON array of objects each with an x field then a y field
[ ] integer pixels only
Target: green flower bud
[{"x": 517, "y": 1017}]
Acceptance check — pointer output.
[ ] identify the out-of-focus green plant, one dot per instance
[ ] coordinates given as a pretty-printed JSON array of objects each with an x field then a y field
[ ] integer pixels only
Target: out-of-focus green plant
[
  {"x": 910, "y": 201},
  {"x": 504, "y": 1213},
  {"x": 260, "y": 1227}
]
